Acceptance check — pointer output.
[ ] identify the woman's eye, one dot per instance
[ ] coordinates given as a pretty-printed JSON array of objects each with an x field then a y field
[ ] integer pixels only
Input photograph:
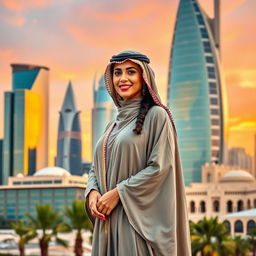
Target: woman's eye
[
  {"x": 117, "y": 73},
  {"x": 131, "y": 72}
]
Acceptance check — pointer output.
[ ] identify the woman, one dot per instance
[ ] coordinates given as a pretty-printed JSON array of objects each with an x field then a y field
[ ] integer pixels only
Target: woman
[{"x": 135, "y": 194}]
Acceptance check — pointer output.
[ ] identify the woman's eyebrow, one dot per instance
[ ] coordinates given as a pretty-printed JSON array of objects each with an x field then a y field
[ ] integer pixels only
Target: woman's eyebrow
[{"x": 131, "y": 68}]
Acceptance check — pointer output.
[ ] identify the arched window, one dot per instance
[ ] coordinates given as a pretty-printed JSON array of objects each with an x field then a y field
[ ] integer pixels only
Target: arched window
[
  {"x": 202, "y": 206},
  {"x": 216, "y": 206},
  {"x": 240, "y": 205},
  {"x": 227, "y": 224},
  {"x": 209, "y": 177},
  {"x": 239, "y": 227},
  {"x": 254, "y": 203},
  {"x": 248, "y": 204},
  {"x": 250, "y": 225},
  {"x": 192, "y": 207},
  {"x": 229, "y": 206}
]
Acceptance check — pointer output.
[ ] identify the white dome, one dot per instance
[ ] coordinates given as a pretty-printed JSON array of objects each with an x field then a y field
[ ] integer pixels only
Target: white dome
[
  {"x": 237, "y": 176},
  {"x": 19, "y": 175},
  {"x": 52, "y": 171}
]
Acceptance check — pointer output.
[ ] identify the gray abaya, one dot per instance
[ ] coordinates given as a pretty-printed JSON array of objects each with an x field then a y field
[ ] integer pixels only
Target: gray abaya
[{"x": 151, "y": 217}]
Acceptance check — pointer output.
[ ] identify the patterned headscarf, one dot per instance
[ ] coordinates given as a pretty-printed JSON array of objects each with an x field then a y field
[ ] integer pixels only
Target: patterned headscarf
[{"x": 147, "y": 74}]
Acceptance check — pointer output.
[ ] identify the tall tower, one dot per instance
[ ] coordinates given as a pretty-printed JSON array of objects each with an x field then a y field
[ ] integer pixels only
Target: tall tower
[
  {"x": 25, "y": 145},
  {"x": 103, "y": 111},
  {"x": 69, "y": 151},
  {"x": 196, "y": 90}
]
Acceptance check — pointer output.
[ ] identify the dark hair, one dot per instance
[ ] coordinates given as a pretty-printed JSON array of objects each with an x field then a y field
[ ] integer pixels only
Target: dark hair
[{"x": 146, "y": 103}]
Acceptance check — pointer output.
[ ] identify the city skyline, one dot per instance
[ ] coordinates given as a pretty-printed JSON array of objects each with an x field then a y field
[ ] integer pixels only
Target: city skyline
[{"x": 75, "y": 50}]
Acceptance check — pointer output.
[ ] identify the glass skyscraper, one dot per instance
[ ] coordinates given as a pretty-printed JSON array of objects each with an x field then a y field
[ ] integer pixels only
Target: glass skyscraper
[
  {"x": 196, "y": 90},
  {"x": 69, "y": 151},
  {"x": 104, "y": 110},
  {"x": 25, "y": 144}
]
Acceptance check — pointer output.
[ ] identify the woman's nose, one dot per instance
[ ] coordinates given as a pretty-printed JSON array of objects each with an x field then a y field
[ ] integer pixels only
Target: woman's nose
[{"x": 123, "y": 77}]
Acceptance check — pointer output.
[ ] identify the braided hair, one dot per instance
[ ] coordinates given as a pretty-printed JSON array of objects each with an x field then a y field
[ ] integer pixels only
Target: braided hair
[{"x": 146, "y": 103}]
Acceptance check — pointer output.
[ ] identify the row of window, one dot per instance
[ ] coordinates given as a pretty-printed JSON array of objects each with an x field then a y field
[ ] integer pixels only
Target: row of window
[
  {"x": 216, "y": 206},
  {"x": 239, "y": 227}
]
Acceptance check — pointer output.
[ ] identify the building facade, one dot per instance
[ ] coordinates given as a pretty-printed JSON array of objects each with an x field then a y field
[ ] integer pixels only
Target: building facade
[
  {"x": 69, "y": 144},
  {"x": 25, "y": 145},
  {"x": 103, "y": 111},
  {"x": 223, "y": 192},
  {"x": 196, "y": 91},
  {"x": 53, "y": 185}
]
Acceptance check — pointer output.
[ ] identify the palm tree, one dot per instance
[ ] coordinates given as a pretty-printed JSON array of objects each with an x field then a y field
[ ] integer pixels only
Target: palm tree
[
  {"x": 252, "y": 240},
  {"x": 50, "y": 222},
  {"x": 210, "y": 238},
  {"x": 78, "y": 221},
  {"x": 25, "y": 232},
  {"x": 242, "y": 246}
]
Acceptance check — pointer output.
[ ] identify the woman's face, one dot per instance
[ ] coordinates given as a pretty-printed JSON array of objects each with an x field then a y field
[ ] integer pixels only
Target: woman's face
[{"x": 127, "y": 80}]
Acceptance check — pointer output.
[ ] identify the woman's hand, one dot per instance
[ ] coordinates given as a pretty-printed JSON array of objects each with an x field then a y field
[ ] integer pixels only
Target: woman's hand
[
  {"x": 108, "y": 201},
  {"x": 94, "y": 197}
]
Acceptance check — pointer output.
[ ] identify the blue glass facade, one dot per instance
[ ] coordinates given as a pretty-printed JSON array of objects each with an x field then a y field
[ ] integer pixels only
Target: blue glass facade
[
  {"x": 16, "y": 203},
  {"x": 194, "y": 90}
]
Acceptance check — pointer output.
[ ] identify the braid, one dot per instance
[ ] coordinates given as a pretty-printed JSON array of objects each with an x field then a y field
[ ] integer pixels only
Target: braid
[{"x": 146, "y": 103}]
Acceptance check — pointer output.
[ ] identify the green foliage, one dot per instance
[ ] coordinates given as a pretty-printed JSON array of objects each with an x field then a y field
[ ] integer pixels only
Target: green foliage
[
  {"x": 242, "y": 246},
  {"x": 211, "y": 238},
  {"x": 77, "y": 216},
  {"x": 50, "y": 222},
  {"x": 25, "y": 232}
]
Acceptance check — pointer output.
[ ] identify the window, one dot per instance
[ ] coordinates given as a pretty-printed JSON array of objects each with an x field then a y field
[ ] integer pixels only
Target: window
[
  {"x": 212, "y": 85},
  {"x": 209, "y": 59},
  {"x": 196, "y": 7},
  {"x": 192, "y": 207},
  {"x": 239, "y": 226},
  {"x": 248, "y": 204},
  {"x": 216, "y": 206},
  {"x": 214, "y": 101},
  {"x": 215, "y": 142},
  {"x": 227, "y": 224},
  {"x": 229, "y": 206},
  {"x": 240, "y": 205},
  {"x": 214, "y": 112},
  {"x": 200, "y": 19},
  {"x": 215, "y": 153},
  {"x": 215, "y": 121},
  {"x": 202, "y": 206},
  {"x": 213, "y": 91},
  {"x": 207, "y": 47},
  {"x": 204, "y": 33},
  {"x": 250, "y": 225}
]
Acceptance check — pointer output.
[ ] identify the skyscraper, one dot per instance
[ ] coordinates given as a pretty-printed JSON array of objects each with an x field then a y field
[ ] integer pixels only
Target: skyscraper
[
  {"x": 103, "y": 111},
  {"x": 25, "y": 145},
  {"x": 196, "y": 90},
  {"x": 69, "y": 151}
]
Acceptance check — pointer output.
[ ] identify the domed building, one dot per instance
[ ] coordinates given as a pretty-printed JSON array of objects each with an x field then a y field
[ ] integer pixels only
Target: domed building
[
  {"x": 51, "y": 185},
  {"x": 226, "y": 192}
]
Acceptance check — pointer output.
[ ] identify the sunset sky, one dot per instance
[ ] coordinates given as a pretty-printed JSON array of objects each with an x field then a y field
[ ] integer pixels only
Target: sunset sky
[{"x": 76, "y": 38}]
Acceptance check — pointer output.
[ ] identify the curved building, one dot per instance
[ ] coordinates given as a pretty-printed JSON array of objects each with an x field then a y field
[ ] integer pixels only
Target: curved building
[
  {"x": 25, "y": 145},
  {"x": 196, "y": 90},
  {"x": 103, "y": 111},
  {"x": 69, "y": 149}
]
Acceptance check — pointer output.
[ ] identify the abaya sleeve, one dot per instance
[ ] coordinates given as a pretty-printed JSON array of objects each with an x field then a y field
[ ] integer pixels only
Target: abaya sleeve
[{"x": 149, "y": 197}]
